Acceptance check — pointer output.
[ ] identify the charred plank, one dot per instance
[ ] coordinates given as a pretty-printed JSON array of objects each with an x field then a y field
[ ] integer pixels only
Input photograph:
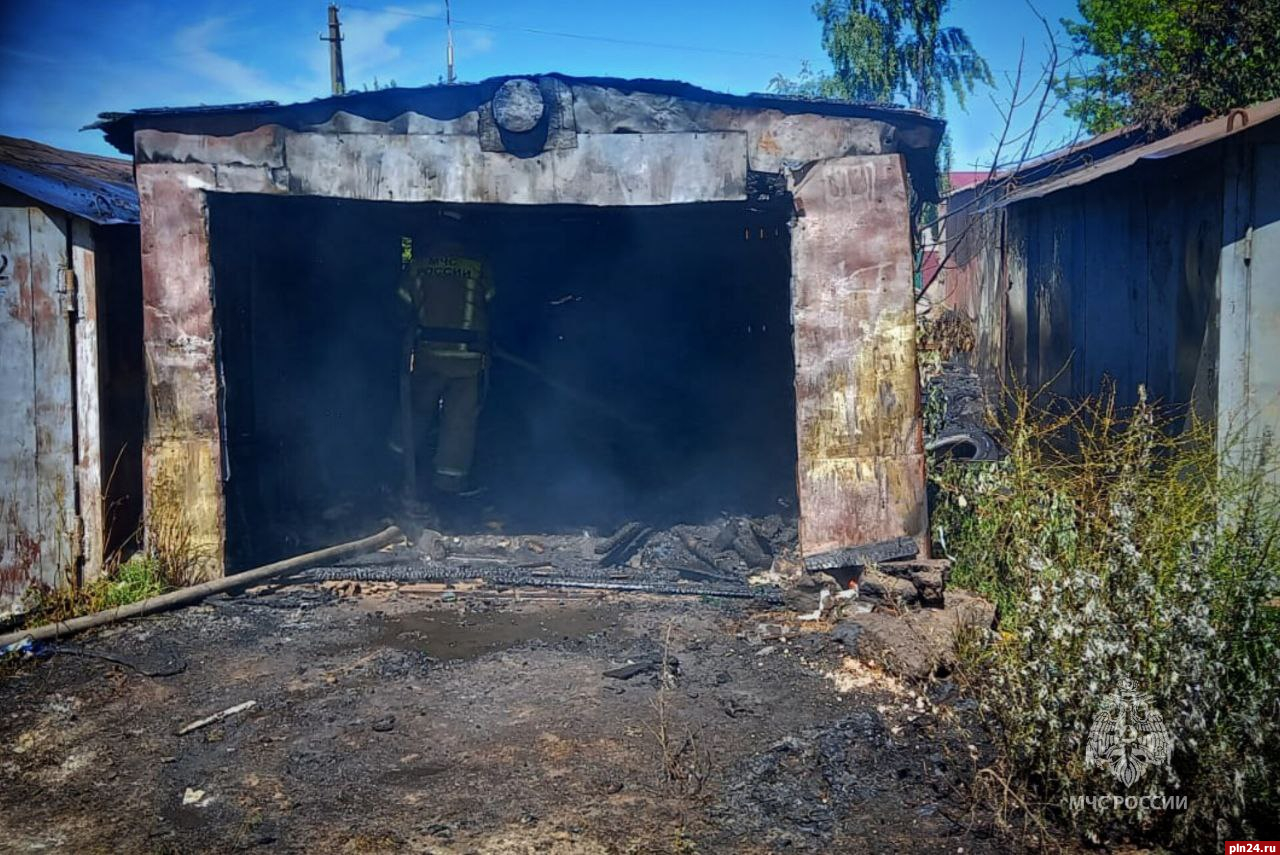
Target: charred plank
[{"x": 859, "y": 556}]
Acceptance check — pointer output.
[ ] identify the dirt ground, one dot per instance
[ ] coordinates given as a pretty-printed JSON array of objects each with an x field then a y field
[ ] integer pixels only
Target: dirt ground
[{"x": 403, "y": 719}]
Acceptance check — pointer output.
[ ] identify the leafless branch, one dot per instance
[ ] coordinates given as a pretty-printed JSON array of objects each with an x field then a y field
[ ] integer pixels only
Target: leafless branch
[{"x": 1002, "y": 176}]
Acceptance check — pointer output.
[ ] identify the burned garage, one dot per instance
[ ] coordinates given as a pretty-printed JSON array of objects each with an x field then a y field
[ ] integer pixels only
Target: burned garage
[
  {"x": 599, "y": 465},
  {"x": 686, "y": 306}
]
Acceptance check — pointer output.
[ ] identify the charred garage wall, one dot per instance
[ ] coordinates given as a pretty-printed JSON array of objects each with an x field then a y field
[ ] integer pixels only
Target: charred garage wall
[{"x": 645, "y": 233}]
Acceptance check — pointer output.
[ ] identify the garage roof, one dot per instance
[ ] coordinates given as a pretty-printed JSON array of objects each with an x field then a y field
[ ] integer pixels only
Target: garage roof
[
  {"x": 449, "y": 101},
  {"x": 97, "y": 188},
  {"x": 1183, "y": 141}
]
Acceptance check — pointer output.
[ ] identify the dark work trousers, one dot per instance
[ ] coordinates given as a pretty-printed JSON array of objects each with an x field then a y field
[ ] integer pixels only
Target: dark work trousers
[{"x": 446, "y": 393}]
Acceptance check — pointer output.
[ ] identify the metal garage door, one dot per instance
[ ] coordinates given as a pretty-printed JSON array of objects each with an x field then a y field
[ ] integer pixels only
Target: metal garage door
[{"x": 37, "y": 488}]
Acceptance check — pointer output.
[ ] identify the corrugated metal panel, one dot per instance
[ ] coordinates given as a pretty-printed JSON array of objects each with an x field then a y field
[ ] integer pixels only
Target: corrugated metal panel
[{"x": 99, "y": 189}]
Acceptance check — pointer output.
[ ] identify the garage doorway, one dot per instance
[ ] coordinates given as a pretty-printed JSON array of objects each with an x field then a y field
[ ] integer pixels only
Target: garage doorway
[{"x": 642, "y": 369}]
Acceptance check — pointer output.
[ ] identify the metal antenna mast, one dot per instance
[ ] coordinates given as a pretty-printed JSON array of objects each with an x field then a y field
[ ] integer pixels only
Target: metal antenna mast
[
  {"x": 448, "y": 22},
  {"x": 336, "y": 76}
]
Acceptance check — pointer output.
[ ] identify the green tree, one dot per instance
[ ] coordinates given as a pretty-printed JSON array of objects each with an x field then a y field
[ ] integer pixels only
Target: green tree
[
  {"x": 1159, "y": 63},
  {"x": 891, "y": 51}
]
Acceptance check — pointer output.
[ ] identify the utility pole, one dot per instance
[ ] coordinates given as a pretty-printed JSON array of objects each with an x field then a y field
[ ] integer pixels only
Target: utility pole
[
  {"x": 448, "y": 23},
  {"x": 334, "y": 39}
]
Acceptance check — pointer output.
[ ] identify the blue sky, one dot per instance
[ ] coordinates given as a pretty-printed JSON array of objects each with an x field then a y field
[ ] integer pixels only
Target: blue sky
[{"x": 62, "y": 62}]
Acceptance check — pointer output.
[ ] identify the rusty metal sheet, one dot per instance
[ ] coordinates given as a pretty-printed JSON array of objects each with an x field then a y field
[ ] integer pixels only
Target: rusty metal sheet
[
  {"x": 20, "y": 546},
  {"x": 37, "y": 489},
  {"x": 619, "y": 169},
  {"x": 182, "y": 453},
  {"x": 860, "y": 446}
]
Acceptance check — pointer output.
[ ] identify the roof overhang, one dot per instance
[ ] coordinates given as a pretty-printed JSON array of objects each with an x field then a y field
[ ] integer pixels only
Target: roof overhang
[
  {"x": 100, "y": 189},
  {"x": 1186, "y": 140}
]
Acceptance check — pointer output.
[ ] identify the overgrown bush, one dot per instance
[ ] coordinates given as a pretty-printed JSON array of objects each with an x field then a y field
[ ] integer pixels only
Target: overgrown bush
[
  {"x": 1119, "y": 549},
  {"x": 174, "y": 558}
]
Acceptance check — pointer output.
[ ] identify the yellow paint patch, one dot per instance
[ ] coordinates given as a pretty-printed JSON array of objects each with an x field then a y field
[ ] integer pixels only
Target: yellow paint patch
[{"x": 184, "y": 491}]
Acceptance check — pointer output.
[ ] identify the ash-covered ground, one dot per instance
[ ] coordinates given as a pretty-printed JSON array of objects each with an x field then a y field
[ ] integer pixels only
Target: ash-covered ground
[{"x": 414, "y": 717}]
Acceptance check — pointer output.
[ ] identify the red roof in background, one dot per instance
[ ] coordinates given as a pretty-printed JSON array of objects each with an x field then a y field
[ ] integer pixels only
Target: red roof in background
[{"x": 961, "y": 180}]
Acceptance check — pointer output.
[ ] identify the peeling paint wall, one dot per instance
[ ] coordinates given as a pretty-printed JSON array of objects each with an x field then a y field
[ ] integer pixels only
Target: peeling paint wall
[
  {"x": 38, "y": 533},
  {"x": 860, "y": 456},
  {"x": 182, "y": 452},
  {"x": 88, "y": 411}
]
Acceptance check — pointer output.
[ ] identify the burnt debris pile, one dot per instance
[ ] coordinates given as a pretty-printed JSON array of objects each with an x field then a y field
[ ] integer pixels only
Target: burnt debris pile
[
  {"x": 729, "y": 551},
  {"x": 718, "y": 559}
]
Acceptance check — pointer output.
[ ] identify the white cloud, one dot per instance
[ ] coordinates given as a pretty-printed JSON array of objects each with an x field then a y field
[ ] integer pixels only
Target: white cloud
[
  {"x": 473, "y": 42},
  {"x": 221, "y": 59},
  {"x": 401, "y": 43},
  {"x": 197, "y": 54}
]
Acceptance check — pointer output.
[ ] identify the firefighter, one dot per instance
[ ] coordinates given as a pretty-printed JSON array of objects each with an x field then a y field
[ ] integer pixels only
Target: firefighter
[{"x": 445, "y": 290}]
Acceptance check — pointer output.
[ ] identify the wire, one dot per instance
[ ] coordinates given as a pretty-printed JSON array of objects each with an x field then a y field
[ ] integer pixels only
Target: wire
[{"x": 579, "y": 36}]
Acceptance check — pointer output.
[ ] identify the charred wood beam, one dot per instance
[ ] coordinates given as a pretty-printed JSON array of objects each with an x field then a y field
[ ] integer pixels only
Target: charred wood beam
[
  {"x": 860, "y": 556},
  {"x": 624, "y": 543}
]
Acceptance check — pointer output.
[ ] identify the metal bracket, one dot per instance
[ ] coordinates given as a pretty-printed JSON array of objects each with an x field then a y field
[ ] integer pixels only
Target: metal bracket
[{"x": 69, "y": 291}]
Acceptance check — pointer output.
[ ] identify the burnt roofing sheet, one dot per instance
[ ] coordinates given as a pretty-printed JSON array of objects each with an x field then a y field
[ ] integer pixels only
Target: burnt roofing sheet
[
  {"x": 449, "y": 101},
  {"x": 99, "y": 189}
]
